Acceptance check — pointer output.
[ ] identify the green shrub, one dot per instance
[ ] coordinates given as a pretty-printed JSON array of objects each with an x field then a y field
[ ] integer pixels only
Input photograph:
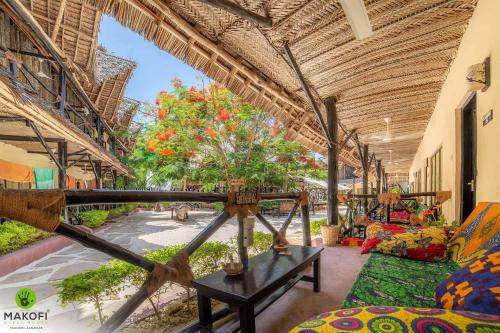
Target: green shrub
[
  {"x": 261, "y": 242},
  {"x": 14, "y": 235},
  {"x": 208, "y": 258},
  {"x": 316, "y": 226},
  {"x": 94, "y": 285},
  {"x": 218, "y": 207},
  {"x": 269, "y": 204},
  {"x": 93, "y": 218}
]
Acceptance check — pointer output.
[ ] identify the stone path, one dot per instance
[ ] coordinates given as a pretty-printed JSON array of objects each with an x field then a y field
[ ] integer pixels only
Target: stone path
[{"x": 139, "y": 232}]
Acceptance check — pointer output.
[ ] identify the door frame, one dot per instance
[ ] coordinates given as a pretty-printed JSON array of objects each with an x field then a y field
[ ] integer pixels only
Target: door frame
[{"x": 459, "y": 165}]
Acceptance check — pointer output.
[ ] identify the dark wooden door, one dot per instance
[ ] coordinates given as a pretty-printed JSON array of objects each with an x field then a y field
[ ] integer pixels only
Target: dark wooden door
[{"x": 469, "y": 146}]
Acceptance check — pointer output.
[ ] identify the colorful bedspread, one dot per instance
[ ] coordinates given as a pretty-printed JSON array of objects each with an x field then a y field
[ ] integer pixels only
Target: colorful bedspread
[
  {"x": 388, "y": 280},
  {"x": 387, "y": 319},
  {"x": 478, "y": 234}
]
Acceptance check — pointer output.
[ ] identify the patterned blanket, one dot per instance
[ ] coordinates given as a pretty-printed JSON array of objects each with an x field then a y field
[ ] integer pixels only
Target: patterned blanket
[
  {"x": 390, "y": 319},
  {"x": 388, "y": 280}
]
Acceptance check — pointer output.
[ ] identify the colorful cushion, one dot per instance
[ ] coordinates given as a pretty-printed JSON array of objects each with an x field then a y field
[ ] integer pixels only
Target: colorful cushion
[
  {"x": 479, "y": 233},
  {"x": 427, "y": 244},
  {"x": 376, "y": 231},
  {"x": 386, "y": 319},
  {"x": 475, "y": 287}
]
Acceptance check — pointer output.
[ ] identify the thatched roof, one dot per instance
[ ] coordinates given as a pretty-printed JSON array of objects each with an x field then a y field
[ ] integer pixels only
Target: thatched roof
[
  {"x": 126, "y": 112},
  {"x": 112, "y": 74},
  {"x": 397, "y": 72},
  {"x": 18, "y": 100},
  {"x": 72, "y": 25}
]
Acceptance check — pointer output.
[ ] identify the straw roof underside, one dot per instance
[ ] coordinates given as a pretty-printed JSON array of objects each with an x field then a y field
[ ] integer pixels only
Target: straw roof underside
[
  {"x": 112, "y": 74},
  {"x": 77, "y": 34},
  {"x": 397, "y": 72}
]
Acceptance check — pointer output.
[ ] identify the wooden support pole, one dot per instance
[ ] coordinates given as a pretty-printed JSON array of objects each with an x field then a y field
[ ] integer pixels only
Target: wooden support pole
[
  {"x": 44, "y": 144},
  {"x": 237, "y": 10},
  {"x": 365, "y": 176},
  {"x": 330, "y": 142},
  {"x": 379, "y": 176},
  {"x": 332, "y": 201},
  {"x": 208, "y": 231},
  {"x": 62, "y": 156},
  {"x": 62, "y": 92},
  {"x": 114, "y": 175},
  {"x": 306, "y": 225},
  {"x": 242, "y": 249},
  {"x": 98, "y": 173}
]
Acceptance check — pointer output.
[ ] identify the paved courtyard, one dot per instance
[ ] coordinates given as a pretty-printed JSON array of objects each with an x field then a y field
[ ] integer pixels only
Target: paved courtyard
[{"x": 139, "y": 232}]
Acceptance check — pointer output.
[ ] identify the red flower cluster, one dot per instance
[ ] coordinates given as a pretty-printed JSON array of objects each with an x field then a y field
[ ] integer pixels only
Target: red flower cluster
[
  {"x": 167, "y": 152},
  {"x": 223, "y": 114},
  {"x": 166, "y": 135}
]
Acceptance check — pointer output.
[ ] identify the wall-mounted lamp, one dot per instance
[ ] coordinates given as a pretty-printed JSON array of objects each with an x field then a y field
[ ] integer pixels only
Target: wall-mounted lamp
[{"x": 478, "y": 76}]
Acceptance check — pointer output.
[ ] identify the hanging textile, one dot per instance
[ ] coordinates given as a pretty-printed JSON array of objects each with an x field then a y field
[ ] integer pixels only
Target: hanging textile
[
  {"x": 16, "y": 172},
  {"x": 44, "y": 178},
  {"x": 70, "y": 182}
]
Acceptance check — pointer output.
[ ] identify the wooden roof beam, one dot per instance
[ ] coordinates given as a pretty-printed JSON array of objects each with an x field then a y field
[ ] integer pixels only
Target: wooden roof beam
[
  {"x": 308, "y": 94},
  {"x": 58, "y": 21},
  {"x": 237, "y": 10}
]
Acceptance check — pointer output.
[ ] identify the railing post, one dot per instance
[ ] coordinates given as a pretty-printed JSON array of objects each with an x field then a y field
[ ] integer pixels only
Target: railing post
[
  {"x": 242, "y": 250},
  {"x": 306, "y": 224}
]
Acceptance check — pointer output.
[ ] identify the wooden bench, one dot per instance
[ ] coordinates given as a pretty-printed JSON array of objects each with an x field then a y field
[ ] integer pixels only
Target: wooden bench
[{"x": 266, "y": 274}]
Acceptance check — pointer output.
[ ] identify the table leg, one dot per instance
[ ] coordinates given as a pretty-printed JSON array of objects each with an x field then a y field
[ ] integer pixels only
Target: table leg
[
  {"x": 205, "y": 313},
  {"x": 247, "y": 318},
  {"x": 316, "y": 275}
]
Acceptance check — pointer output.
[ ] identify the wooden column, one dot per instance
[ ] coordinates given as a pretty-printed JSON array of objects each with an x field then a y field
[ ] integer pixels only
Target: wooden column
[
  {"x": 62, "y": 92},
  {"x": 379, "y": 176},
  {"x": 366, "y": 169},
  {"x": 115, "y": 178},
  {"x": 332, "y": 127},
  {"x": 62, "y": 157},
  {"x": 242, "y": 249},
  {"x": 306, "y": 225},
  {"x": 98, "y": 174}
]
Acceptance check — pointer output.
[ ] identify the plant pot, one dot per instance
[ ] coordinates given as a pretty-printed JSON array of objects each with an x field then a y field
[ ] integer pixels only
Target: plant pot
[{"x": 330, "y": 234}]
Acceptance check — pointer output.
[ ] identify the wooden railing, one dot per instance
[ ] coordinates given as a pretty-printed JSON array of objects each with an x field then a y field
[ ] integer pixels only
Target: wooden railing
[{"x": 238, "y": 205}]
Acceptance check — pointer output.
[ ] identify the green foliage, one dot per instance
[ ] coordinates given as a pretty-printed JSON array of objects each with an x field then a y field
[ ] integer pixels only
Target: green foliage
[
  {"x": 218, "y": 207},
  {"x": 269, "y": 204},
  {"x": 14, "y": 235},
  {"x": 261, "y": 242},
  {"x": 209, "y": 258},
  {"x": 94, "y": 285},
  {"x": 93, "y": 218},
  {"x": 211, "y": 136},
  {"x": 316, "y": 226}
]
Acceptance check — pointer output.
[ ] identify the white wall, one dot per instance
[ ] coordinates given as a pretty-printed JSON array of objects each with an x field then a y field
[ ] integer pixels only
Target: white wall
[{"x": 481, "y": 40}]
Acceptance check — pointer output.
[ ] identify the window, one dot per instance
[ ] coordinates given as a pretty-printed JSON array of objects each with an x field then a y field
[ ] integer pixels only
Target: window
[{"x": 435, "y": 171}]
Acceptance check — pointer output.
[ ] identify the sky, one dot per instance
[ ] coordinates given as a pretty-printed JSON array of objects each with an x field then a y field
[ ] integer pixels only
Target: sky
[{"x": 155, "y": 67}]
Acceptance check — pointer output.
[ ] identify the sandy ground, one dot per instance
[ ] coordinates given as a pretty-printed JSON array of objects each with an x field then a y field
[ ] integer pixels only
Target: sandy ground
[{"x": 139, "y": 232}]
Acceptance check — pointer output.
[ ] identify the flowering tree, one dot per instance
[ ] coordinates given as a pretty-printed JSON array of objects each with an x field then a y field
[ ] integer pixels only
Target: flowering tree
[{"x": 210, "y": 135}]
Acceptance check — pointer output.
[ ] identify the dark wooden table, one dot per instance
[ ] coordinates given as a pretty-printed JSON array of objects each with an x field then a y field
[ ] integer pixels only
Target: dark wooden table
[{"x": 266, "y": 273}]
